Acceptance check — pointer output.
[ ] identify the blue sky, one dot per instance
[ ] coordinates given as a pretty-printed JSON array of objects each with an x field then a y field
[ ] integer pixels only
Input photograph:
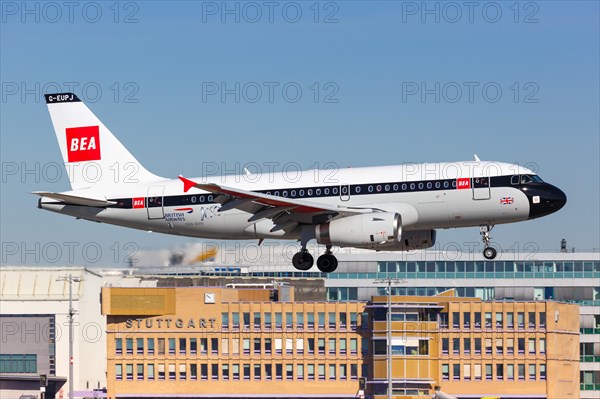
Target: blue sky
[{"x": 147, "y": 68}]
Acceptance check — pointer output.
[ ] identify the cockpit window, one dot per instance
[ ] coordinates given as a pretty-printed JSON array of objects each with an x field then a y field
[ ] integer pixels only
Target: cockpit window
[
  {"x": 536, "y": 179},
  {"x": 530, "y": 179}
]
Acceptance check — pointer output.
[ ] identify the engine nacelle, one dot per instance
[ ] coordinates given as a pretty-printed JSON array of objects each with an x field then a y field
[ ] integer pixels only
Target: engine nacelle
[{"x": 371, "y": 230}]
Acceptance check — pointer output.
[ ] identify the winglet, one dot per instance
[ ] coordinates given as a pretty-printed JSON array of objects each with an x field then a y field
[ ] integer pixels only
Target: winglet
[
  {"x": 476, "y": 158},
  {"x": 187, "y": 184}
]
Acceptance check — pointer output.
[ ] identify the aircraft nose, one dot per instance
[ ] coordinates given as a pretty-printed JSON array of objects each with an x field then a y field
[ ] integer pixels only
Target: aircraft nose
[{"x": 544, "y": 200}]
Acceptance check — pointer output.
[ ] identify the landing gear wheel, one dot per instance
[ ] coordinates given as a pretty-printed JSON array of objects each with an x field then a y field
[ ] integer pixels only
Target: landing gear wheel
[
  {"x": 327, "y": 263},
  {"x": 489, "y": 253},
  {"x": 303, "y": 260}
]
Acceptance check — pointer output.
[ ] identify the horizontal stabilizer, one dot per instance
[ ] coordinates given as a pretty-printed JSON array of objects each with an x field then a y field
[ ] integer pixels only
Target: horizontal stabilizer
[{"x": 75, "y": 200}]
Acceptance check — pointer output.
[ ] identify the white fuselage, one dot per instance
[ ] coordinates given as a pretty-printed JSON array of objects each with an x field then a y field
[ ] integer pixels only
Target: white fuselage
[{"x": 429, "y": 196}]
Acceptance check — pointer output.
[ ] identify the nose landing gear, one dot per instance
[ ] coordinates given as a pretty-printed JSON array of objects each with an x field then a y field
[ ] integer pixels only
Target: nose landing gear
[{"x": 489, "y": 252}]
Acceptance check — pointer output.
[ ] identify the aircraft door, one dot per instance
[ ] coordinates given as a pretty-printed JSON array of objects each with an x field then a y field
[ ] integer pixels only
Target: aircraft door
[
  {"x": 481, "y": 188},
  {"x": 345, "y": 192},
  {"x": 155, "y": 202}
]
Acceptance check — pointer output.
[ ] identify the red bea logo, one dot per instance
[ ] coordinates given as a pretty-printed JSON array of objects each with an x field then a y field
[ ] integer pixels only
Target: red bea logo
[
  {"x": 463, "y": 183},
  {"x": 83, "y": 143},
  {"x": 138, "y": 202}
]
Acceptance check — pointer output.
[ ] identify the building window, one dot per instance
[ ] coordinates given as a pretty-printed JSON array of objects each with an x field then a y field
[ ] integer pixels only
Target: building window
[
  {"x": 499, "y": 320},
  {"x": 542, "y": 372},
  {"x": 257, "y": 371},
  {"x": 521, "y": 371},
  {"x": 510, "y": 346},
  {"x": 289, "y": 320},
  {"x": 278, "y": 346},
  {"x": 543, "y": 320},
  {"x": 118, "y": 346},
  {"x": 353, "y": 346},
  {"x": 235, "y": 320},
  {"x": 203, "y": 346},
  {"x": 246, "y": 348},
  {"x": 466, "y": 371},
  {"x": 278, "y": 371},
  {"x": 289, "y": 346},
  {"x": 510, "y": 320},
  {"x": 193, "y": 371},
  {"x": 268, "y": 371},
  {"x": 150, "y": 345},
  {"x": 278, "y": 319},
  {"x": 161, "y": 346},
  {"x": 531, "y": 345},
  {"x": 246, "y": 317},
  {"x": 500, "y": 371},
  {"x": 467, "y": 345},
  {"x": 466, "y": 320},
  {"x": 455, "y": 346},
  {"x": 343, "y": 320},
  {"x": 321, "y": 344},
  {"x": 257, "y": 346},
  {"x": 193, "y": 346},
  {"x": 332, "y": 375},
  {"x": 172, "y": 372},
  {"x": 488, "y": 372},
  {"x": 268, "y": 346},
  {"x": 299, "y": 346},
  {"x": 532, "y": 372},
  {"x": 478, "y": 346},
  {"x": 310, "y": 320},
  {"x": 354, "y": 371},
  {"x": 445, "y": 345},
  {"x": 300, "y": 320},
  {"x": 521, "y": 343},
  {"x": 321, "y": 320},
  {"x": 171, "y": 346},
  {"x": 151, "y": 371},
  {"x": 225, "y": 320},
  {"x": 477, "y": 372},
  {"x": 342, "y": 346},
  {"x": 321, "y": 372},
  {"x": 161, "y": 371},
  {"x": 531, "y": 320},
  {"x": 268, "y": 320},
  {"x": 488, "y": 346},
  {"x": 477, "y": 320},
  {"x": 214, "y": 371},
  {"x": 332, "y": 320},
  {"x": 542, "y": 345},
  {"x": 353, "y": 320},
  {"x": 488, "y": 319},
  {"x": 129, "y": 371},
  {"x": 289, "y": 371},
  {"x": 510, "y": 372},
  {"x": 235, "y": 371},
  {"x": 456, "y": 372},
  {"x": 445, "y": 372},
  {"x": 118, "y": 372},
  {"x": 343, "y": 372},
  {"x": 129, "y": 346},
  {"x": 225, "y": 371},
  {"x": 140, "y": 371},
  {"x": 311, "y": 371},
  {"x": 521, "y": 320},
  {"x": 204, "y": 371},
  {"x": 455, "y": 319},
  {"x": 332, "y": 350},
  {"x": 246, "y": 371},
  {"x": 182, "y": 346},
  {"x": 499, "y": 346},
  {"x": 140, "y": 346},
  {"x": 214, "y": 346},
  {"x": 256, "y": 320}
]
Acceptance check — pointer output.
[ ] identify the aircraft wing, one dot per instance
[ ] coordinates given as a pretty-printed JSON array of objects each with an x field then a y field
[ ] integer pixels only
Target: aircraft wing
[{"x": 282, "y": 210}]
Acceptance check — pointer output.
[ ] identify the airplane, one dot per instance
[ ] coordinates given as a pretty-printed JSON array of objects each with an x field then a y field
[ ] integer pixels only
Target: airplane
[{"x": 385, "y": 208}]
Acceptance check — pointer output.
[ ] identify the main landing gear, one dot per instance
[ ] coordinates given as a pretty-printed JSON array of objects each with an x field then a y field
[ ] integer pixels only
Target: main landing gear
[
  {"x": 326, "y": 263},
  {"x": 488, "y": 251}
]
